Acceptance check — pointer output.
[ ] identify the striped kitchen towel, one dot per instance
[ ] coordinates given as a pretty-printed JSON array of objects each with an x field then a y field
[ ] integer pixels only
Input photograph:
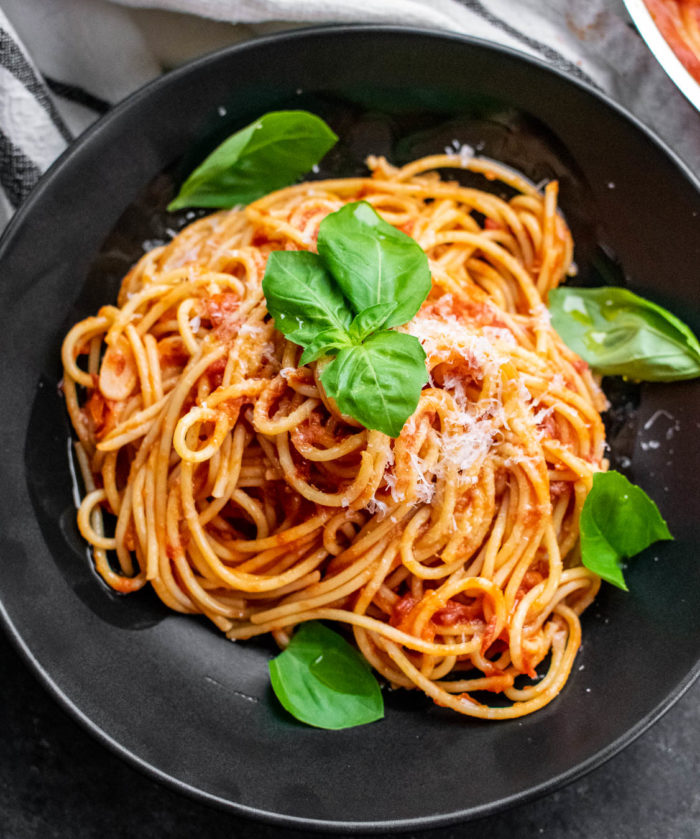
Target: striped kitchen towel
[{"x": 65, "y": 62}]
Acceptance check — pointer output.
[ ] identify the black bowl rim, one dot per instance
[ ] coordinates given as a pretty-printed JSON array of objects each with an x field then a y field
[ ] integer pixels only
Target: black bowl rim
[{"x": 44, "y": 676}]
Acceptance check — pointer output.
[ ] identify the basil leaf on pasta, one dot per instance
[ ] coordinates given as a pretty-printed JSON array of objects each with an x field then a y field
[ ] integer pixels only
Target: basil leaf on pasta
[
  {"x": 373, "y": 262},
  {"x": 378, "y": 382},
  {"x": 270, "y": 153},
  {"x": 323, "y": 681},
  {"x": 302, "y": 297},
  {"x": 369, "y": 321},
  {"x": 618, "y": 520},
  {"x": 621, "y": 334},
  {"x": 325, "y": 343},
  {"x": 368, "y": 269}
]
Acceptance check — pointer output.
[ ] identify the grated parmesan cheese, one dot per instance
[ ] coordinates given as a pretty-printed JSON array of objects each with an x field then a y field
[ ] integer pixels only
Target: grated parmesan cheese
[
  {"x": 374, "y": 505},
  {"x": 541, "y": 315},
  {"x": 253, "y": 329},
  {"x": 500, "y": 333},
  {"x": 463, "y": 151},
  {"x": 473, "y": 428},
  {"x": 437, "y": 334}
]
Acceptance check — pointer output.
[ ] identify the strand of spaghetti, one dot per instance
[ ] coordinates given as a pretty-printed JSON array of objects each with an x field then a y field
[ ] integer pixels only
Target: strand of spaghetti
[
  {"x": 235, "y": 579},
  {"x": 332, "y": 584},
  {"x": 81, "y": 333},
  {"x": 377, "y": 627},
  {"x": 468, "y": 161},
  {"x": 562, "y": 656},
  {"x": 131, "y": 429}
]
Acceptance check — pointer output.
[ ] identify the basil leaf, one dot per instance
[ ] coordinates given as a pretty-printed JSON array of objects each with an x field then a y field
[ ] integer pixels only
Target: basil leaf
[
  {"x": 378, "y": 382},
  {"x": 369, "y": 321},
  {"x": 332, "y": 339},
  {"x": 373, "y": 262},
  {"x": 324, "y": 344},
  {"x": 621, "y": 334},
  {"x": 618, "y": 520},
  {"x": 266, "y": 155},
  {"x": 302, "y": 297},
  {"x": 323, "y": 681}
]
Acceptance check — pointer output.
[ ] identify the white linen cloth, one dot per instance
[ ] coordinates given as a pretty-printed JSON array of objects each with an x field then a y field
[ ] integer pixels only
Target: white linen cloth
[{"x": 65, "y": 62}]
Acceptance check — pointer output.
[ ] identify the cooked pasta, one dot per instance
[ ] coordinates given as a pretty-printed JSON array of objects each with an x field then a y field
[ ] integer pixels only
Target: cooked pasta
[{"x": 218, "y": 472}]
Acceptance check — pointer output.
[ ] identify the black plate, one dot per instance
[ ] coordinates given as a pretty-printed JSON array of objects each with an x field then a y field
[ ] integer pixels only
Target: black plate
[{"x": 168, "y": 692}]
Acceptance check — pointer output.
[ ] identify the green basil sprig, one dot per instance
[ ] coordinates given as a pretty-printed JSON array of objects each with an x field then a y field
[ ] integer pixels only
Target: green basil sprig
[
  {"x": 618, "y": 520},
  {"x": 303, "y": 298},
  {"x": 621, "y": 334},
  {"x": 323, "y": 681},
  {"x": 373, "y": 262},
  {"x": 379, "y": 381},
  {"x": 366, "y": 277},
  {"x": 266, "y": 155}
]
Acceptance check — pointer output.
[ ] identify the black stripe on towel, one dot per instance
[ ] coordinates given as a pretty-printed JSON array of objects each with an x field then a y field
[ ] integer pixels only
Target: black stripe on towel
[
  {"x": 555, "y": 58},
  {"x": 18, "y": 174},
  {"x": 12, "y": 59},
  {"x": 76, "y": 94}
]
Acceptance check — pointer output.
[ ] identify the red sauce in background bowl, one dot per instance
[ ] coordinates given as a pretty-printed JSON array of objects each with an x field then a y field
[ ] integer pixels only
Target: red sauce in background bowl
[{"x": 679, "y": 23}]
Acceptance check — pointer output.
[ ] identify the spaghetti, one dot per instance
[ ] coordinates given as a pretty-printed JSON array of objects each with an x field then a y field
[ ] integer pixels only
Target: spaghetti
[
  {"x": 239, "y": 492},
  {"x": 679, "y": 23}
]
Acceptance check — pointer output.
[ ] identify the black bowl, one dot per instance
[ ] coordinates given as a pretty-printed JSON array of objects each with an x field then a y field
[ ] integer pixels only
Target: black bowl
[{"x": 168, "y": 692}]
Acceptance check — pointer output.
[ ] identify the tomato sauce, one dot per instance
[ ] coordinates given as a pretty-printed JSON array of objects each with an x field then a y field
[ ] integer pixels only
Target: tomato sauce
[
  {"x": 222, "y": 312},
  {"x": 679, "y": 23}
]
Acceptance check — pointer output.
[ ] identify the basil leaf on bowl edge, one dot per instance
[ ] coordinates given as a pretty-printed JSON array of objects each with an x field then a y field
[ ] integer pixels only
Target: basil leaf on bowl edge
[
  {"x": 270, "y": 153},
  {"x": 618, "y": 520},
  {"x": 620, "y": 333},
  {"x": 324, "y": 681}
]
